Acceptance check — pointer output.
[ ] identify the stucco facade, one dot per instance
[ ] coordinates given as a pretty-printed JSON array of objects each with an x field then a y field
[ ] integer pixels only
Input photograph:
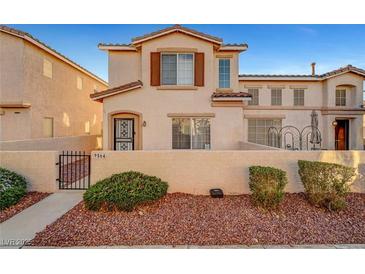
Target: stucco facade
[
  {"x": 27, "y": 96},
  {"x": 228, "y": 111}
]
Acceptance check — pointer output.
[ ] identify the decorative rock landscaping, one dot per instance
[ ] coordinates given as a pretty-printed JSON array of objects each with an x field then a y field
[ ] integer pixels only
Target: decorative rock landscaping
[
  {"x": 181, "y": 219},
  {"x": 28, "y": 200}
]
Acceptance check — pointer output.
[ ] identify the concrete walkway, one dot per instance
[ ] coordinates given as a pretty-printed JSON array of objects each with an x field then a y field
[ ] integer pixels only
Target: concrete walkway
[{"x": 22, "y": 227}]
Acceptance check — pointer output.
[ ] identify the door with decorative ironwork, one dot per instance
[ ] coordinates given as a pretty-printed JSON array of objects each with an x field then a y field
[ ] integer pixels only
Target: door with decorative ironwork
[{"x": 123, "y": 134}]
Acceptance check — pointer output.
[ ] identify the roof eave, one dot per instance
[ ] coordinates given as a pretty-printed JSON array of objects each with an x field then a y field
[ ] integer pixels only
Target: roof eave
[
  {"x": 137, "y": 40},
  {"x": 100, "y": 96},
  {"x": 116, "y": 48},
  {"x": 233, "y": 48},
  {"x": 343, "y": 72},
  {"x": 230, "y": 99},
  {"x": 260, "y": 78},
  {"x": 54, "y": 53}
]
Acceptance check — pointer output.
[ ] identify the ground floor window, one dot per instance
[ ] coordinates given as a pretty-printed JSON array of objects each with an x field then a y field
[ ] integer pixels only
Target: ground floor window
[
  {"x": 258, "y": 128},
  {"x": 190, "y": 133}
]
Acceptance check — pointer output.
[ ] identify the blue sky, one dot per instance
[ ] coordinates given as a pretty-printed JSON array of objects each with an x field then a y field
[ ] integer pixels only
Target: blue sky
[{"x": 280, "y": 49}]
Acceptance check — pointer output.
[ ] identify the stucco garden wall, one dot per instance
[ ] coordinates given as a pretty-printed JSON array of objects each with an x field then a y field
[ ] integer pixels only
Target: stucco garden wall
[
  {"x": 198, "y": 171},
  {"x": 79, "y": 143},
  {"x": 38, "y": 167}
]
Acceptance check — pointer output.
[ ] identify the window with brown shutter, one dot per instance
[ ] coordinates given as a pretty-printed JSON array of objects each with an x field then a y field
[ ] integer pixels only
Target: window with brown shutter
[
  {"x": 155, "y": 68},
  {"x": 199, "y": 69}
]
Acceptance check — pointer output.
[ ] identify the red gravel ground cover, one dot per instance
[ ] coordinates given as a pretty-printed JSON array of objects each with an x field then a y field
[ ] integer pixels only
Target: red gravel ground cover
[
  {"x": 181, "y": 219},
  {"x": 29, "y": 199}
]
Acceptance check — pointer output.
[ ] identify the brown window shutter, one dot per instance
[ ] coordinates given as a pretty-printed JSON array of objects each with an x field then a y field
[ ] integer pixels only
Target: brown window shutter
[
  {"x": 199, "y": 69},
  {"x": 155, "y": 68}
]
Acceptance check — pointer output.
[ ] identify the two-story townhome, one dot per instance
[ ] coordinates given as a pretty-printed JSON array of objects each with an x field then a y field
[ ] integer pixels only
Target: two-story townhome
[
  {"x": 181, "y": 89},
  {"x": 42, "y": 93}
]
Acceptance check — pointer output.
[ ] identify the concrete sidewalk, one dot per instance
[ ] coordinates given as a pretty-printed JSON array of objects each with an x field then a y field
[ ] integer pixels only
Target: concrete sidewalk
[
  {"x": 19, "y": 229},
  {"x": 314, "y": 246}
]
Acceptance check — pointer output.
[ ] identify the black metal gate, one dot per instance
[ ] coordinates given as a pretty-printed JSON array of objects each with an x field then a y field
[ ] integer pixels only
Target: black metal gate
[{"x": 74, "y": 170}]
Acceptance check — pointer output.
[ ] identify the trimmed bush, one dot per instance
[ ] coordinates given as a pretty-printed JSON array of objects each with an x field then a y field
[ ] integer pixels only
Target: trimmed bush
[
  {"x": 267, "y": 185},
  {"x": 124, "y": 191},
  {"x": 326, "y": 184},
  {"x": 12, "y": 188}
]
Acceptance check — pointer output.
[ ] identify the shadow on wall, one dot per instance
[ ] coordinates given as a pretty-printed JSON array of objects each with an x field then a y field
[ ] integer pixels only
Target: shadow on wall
[{"x": 348, "y": 158}]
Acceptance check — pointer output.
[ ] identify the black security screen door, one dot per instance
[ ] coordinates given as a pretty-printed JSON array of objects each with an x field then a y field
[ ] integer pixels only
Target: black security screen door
[{"x": 123, "y": 134}]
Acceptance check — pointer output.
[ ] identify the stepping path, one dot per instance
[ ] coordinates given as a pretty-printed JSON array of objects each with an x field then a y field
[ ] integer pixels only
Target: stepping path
[{"x": 24, "y": 226}]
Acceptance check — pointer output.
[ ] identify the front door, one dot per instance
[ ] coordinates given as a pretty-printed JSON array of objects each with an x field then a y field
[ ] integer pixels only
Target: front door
[
  {"x": 342, "y": 135},
  {"x": 123, "y": 134}
]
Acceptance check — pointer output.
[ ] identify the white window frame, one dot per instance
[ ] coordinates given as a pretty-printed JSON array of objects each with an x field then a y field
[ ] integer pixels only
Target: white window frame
[
  {"x": 191, "y": 132},
  {"x": 219, "y": 74},
  {"x": 295, "y": 101},
  {"x": 341, "y": 98},
  {"x": 177, "y": 68}
]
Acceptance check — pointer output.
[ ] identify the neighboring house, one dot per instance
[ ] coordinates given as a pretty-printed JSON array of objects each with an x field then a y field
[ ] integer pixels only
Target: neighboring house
[
  {"x": 181, "y": 89},
  {"x": 43, "y": 93}
]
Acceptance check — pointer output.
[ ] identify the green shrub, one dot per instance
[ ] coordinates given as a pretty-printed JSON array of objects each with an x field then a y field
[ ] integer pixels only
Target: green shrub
[
  {"x": 267, "y": 185},
  {"x": 124, "y": 191},
  {"x": 12, "y": 188},
  {"x": 326, "y": 184}
]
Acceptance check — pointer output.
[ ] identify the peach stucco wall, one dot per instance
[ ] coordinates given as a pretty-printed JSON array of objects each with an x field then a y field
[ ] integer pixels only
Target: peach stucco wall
[
  {"x": 22, "y": 81},
  {"x": 198, "y": 171},
  {"x": 156, "y": 104},
  {"x": 38, "y": 167}
]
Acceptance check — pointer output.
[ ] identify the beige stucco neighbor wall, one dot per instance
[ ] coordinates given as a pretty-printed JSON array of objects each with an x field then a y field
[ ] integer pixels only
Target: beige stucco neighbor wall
[
  {"x": 38, "y": 167},
  {"x": 317, "y": 96},
  {"x": 198, "y": 171},
  {"x": 22, "y": 81},
  {"x": 76, "y": 143}
]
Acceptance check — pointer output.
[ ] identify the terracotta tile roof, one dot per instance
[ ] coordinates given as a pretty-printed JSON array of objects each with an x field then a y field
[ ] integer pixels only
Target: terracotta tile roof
[
  {"x": 235, "y": 45},
  {"x": 231, "y": 95},
  {"x": 116, "y": 44},
  {"x": 348, "y": 68},
  {"x": 176, "y": 28},
  {"x": 23, "y": 35},
  {"x": 278, "y": 75},
  {"x": 98, "y": 96},
  {"x": 344, "y": 69}
]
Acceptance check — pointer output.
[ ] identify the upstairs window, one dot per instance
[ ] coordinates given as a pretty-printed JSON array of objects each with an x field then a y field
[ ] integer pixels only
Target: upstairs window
[
  {"x": 47, "y": 68},
  {"x": 298, "y": 97},
  {"x": 276, "y": 97},
  {"x": 341, "y": 97},
  {"x": 190, "y": 133},
  {"x": 255, "y": 96},
  {"x": 224, "y": 73},
  {"x": 79, "y": 83},
  {"x": 177, "y": 69}
]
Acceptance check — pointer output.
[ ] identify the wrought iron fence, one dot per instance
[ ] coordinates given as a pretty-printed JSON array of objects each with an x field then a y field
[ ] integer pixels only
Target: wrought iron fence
[{"x": 291, "y": 138}]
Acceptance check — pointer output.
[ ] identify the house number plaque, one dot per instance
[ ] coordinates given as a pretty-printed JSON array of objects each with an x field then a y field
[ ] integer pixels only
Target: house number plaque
[{"x": 99, "y": 155}]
